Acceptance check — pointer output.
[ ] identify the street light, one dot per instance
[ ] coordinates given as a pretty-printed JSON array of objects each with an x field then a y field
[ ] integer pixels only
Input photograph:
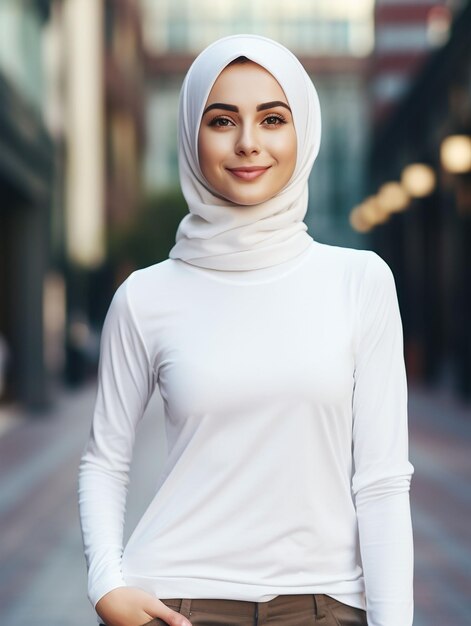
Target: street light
[
  {"x": 368, "y": 214},
  {"x": 358, "y": 222},
  {"x": 455, "y": 154},
  {"x": 392, "y": 197},
  {"x": 418, "y": 180},
  {"x": 373, "y": 211}
]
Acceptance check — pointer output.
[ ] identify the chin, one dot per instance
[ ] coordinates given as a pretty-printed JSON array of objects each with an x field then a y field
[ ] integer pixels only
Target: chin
[{"x": 249, "y": 200}]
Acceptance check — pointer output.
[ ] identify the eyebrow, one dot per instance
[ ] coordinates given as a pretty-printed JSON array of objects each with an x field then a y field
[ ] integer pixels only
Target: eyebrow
[{"x": 260, "y": 107}]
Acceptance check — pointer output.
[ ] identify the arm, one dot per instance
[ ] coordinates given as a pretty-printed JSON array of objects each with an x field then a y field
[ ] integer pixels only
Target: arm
[
  {"x": 382, "y": 475},
  {"x": 125, "y": 384}
]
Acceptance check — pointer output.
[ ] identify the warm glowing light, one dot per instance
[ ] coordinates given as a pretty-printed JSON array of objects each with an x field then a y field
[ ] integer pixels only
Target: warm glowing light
[
  {"x": 374, "y": 211},
  {"x": 392, "y": 197},
  {"x": 439, "y": 20},
  {"x": 455, "y": 154},
  {"x": 368, "y": 214},
  {"x": 418, "y": 180},
  {"x": 358, "y": 222}
]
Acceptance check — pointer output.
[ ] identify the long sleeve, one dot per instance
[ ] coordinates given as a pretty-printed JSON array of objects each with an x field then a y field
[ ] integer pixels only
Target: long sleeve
[
  {"x": 125, "y": 384},
  {"x": 382, "y": 471}
]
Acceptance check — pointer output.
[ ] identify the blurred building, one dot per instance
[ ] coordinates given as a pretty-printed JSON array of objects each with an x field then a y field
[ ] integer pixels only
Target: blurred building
[
  {"x": 333, "y": 41},
  {"x": 419, "y": 210},
  {"x": 71, "y": 145},
  {"x": 406, "y": 32},
  {"x": 26, "y": 177},
  {"x": 103, "y": 140},
  {"x": 124, "y": 108}
]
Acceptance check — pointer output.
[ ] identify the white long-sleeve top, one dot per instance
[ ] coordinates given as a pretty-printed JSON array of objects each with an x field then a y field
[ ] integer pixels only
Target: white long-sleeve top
[{"x": 285, "y": 398}]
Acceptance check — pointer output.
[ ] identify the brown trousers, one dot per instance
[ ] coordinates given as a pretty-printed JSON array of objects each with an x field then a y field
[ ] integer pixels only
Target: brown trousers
[{"x": 284, "y": 610}]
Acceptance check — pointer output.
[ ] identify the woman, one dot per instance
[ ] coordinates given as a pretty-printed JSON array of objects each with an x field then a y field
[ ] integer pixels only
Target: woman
[{"x": 285, "y": 495}]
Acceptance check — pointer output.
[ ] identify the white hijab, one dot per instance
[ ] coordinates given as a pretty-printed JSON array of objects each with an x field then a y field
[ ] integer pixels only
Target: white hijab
[{"x": 216, "y": 233}]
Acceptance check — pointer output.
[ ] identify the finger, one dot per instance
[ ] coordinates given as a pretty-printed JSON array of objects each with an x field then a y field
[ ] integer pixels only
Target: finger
[{"x": 173, "y": 618}]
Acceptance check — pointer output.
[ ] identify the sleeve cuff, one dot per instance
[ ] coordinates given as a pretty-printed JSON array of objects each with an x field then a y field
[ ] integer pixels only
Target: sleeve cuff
[{"x": 97, "y": 592}]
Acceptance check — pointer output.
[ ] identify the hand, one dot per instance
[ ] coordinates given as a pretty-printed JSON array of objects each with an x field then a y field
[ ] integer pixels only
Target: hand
[{"x": 132, "y": 606}]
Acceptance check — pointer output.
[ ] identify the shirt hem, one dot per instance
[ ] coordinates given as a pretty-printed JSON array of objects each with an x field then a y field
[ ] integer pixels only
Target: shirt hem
[{"x": 350, "y": 592}]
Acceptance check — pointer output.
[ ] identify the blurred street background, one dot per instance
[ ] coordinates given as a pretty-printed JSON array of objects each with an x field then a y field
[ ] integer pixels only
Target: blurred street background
[{"x": 89, "y": 192}]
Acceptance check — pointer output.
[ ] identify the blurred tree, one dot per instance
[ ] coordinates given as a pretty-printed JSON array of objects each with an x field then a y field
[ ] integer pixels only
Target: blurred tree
[{"x": 148, "y": 238}]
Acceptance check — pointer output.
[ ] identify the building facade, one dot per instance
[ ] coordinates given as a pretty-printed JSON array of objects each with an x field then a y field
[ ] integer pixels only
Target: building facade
[
  {"x": 406, "y": 32},
  {"x": 71, "y": 146},
  {"x": 428, "y": 241},
  {"x": 103, "y": 138},
  {"x": 26, "y": 183}
]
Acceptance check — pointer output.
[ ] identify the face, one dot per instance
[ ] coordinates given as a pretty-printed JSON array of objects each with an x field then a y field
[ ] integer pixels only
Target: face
[{"x": 247, "y": 140}]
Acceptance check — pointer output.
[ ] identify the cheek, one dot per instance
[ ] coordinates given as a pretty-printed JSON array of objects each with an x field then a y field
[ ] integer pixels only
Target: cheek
[
  {"x": 286, "y": 150},
  {"x": 212, "y": 148}
]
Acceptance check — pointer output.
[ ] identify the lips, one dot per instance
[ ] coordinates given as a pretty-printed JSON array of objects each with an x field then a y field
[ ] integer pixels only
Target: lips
[{"x": 248, "y": 173}]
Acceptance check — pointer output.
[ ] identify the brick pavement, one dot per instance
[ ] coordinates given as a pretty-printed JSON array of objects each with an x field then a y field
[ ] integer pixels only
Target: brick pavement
[{"x": 42, "y": 568}]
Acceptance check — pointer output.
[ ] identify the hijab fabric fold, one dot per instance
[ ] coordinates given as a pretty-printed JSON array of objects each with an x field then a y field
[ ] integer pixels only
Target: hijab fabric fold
[{"x": 219, "y": 234}]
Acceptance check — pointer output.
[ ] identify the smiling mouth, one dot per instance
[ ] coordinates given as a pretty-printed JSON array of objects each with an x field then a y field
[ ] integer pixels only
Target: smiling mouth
[{"x": 249, "y": 173}]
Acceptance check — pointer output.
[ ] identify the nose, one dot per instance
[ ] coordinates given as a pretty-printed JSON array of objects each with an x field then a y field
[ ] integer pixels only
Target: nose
[{"x": 247, "y": 141}]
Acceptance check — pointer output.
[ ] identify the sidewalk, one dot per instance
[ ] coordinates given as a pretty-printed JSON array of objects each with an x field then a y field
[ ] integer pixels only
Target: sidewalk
[
  {"x": 42, "y": 572},
  {"x": 440, "y": 438}
]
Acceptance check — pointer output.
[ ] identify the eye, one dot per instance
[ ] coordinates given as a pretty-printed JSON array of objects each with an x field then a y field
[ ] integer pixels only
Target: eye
[
  {"x": 275, "y": 120},
  {"x": 225, "y": 121}
]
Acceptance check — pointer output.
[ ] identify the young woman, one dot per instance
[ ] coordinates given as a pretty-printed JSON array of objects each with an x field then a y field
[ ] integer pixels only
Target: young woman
[{"x": 285, "y": 495}]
